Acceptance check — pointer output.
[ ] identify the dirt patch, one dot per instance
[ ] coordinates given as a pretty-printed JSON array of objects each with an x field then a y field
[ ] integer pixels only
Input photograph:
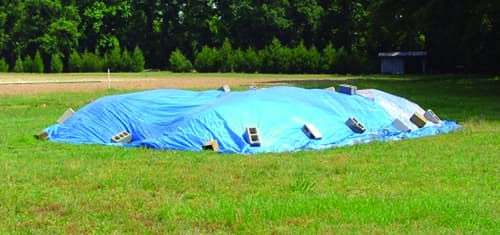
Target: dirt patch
[
  {"x": 20, "y": 87},
  {"x": 13, "y": 88}
]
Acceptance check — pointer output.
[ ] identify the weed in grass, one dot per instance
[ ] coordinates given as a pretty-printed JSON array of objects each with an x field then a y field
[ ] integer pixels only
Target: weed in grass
[{"x": 303, "y": 186}]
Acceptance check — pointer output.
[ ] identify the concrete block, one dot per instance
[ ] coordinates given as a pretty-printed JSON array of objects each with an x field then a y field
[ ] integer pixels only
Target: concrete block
[
  {"x": 42, "y": 135},
  {"x": 432, "y": 117},
  {"x": 311, "y": 131},
  {"x": 67, "y": 114},
  {"x": 355, "y": 125},
  {"x": 399, "y": 125},
  {"x": 252, "y": 136},
  {"x": 211, "y": 145},
  {"x": 225, "y": 88},
  {"x": 332, "y": 88},
  {"x": 348, "y": 89},
  {"x": 418, "y": 120},
  {"x": 122, "y": 137}
]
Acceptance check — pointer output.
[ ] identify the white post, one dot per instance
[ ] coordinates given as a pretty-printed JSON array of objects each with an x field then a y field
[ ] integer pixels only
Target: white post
[{"x": 109, "y": 79}]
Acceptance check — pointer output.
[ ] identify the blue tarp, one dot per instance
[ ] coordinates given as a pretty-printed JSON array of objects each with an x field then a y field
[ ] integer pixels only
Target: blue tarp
[{"x": 185, "y": 120}]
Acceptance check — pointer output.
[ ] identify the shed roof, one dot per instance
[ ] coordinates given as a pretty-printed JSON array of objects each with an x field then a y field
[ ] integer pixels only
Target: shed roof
[{"x": 402, "y": 53}]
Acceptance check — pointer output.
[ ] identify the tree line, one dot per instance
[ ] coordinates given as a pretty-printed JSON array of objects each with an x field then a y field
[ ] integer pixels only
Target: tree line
[{"x": 193, "y": 34}]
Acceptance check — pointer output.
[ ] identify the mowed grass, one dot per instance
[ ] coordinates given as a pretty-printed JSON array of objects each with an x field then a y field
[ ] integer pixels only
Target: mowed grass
[{"x": 441, "y": 184}]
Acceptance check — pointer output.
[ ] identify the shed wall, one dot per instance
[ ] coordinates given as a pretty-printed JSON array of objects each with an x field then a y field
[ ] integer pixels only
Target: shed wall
[{"x": 392, "y": 65}]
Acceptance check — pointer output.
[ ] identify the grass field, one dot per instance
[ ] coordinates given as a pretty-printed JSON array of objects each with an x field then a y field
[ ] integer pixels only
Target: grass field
[{"x": 442, "y": 184}]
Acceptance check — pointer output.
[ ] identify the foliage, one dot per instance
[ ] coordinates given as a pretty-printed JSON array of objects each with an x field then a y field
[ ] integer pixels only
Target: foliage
[
  {"x": 283, "y": 60},
  {"x": 353, "y": 61},
  {"x": 28, "y": 64},
  {"x": 137, "y": 60},
  {"x": 454, "y": 38},
  {"x": 238, "y": 59},
  {"x": 304, "y": 60},
  {"x": 116, "y": 61},
  {"x": 75, "y": 62},
  {"x": 56, "y": 64},
  {"x": 328, "y": 59},
  {"x": 38, "y": 66},
  {"x": 252, "y": 61},
  {"x": 420, "y": 186},
  {"x": 91, "y": 62},
  {"x": 179, "y": 63},
  {"x": 126, "y": 62},
  {"x": 224, "y": 59},
  {"x": 113, "y": 60},
  {"x": 298, "y": 59},
  {"x": 245, "y": 61},
  {"x": 206, "y": 60},
  {"x": 18, "y": 66},
  {"x": 275, "y": 57},
  {"x": 4, "y": 67}
]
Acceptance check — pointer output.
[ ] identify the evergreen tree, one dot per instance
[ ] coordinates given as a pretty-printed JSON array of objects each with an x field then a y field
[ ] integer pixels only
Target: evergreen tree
[
  {"x": 126, "y": 62},
  {"x": 75, "y": 62},
  {"x": 113, "y": 60},
  {"x": 206, "y": 60},
  {"x": 238, "y": 59},
  {"x": 270, "y": 56},
  {"x": 18, "y": 67},
  {"x": 28, "y": 64},
  {"x": 245, "y": 61},
  {"x": 313, "y": 61},
  {"x": 328, "y": 59},
  {"x": 299, "y": 59},
  {"x": 224, "y": 59},
  {"x": 137, "y": 60},
  {"x": 4, "y": 67},
  {"x": 179, "y": 63},
  {"x": 92, "y": 62},
  {"x": 56, "y": 64},
  {"x": 252, "y": 61},
  {"x": 37, "y": 66},
  {"x": 276, "y": 58}
]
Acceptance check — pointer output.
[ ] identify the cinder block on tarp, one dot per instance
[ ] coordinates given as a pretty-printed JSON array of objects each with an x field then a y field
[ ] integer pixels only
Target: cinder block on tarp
[
  {"x": 211, "y": 145},
  {"x": 311, "y": 131},
  {"x": 252, "y": 136},
  {"x": 355, "y": 125},
  {"x": 122, "y": 137},
  {"x": 332, "y": 88},
  {"x": 42, "y": 135},
  {"x": 418, "y": 120},
  {"x": 67, "y": 114},
  {"x": 432, "y": 117},
  {"x": 225, "y": 88},
  {"x": 347, "y": 89},
  {"x": 399, "y": 125}
]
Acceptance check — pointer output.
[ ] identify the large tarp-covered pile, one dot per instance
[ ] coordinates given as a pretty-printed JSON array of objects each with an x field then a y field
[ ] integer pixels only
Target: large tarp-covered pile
[{"x": 185, "y": 120}]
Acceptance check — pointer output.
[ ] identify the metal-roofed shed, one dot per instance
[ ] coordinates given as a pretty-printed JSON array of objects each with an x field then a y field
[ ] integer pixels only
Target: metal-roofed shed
[{"x": 400, "y": 62}]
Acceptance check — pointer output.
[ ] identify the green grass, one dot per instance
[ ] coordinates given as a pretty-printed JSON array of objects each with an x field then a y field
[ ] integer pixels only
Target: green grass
[{"x": 441, "y": 184}]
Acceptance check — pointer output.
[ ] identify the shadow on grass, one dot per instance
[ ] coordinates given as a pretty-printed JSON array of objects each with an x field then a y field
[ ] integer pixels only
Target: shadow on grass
[{"x": 452, "y": 97}]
